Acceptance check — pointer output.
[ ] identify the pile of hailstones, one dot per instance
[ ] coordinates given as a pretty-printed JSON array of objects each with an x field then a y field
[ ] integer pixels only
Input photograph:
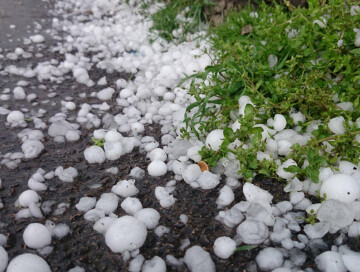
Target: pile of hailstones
[{"x": 257, "y": 220}]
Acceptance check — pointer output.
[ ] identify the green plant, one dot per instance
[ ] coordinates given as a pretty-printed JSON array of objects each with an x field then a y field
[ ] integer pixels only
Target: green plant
[
  {"x": 304, "y": 61},
  {"x": 180, "y": 17},
  {"x": 99, "y": 142},
  {"x": 244, "y": 248}
]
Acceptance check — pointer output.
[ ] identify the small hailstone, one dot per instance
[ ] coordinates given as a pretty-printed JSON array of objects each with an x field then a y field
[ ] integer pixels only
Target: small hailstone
[
  {"x": 198, "y": 260},
  {"x": 184, "y": 218},
  {"x": 336, "y": 125},
  {"x": 269, "y": 259},
  {"x": 112, "y": 136},
  {"x": 351, "y": 262},
  {"x": 136, "y": 263},
  {"x": 125, "y": 188},
  {"x": 86, "y": 204},
  {"x": 137, "y": 173},
  {"x": 165, "y": 198},
  {"x": 149, "y": 216},
  {"x": 156, "y": 264},
  {"x": 192, "y": 173},
  {"x": 131, "y": 205},
  {"x": 28, "y": 262},
  {"x": 76, "y": 269},
  {"x": 317, "y": 230},
  {"x": 72, "y": 135},
  {"x": 340, "y": 187},
  {"x": 36, "y": 236},
  {"x": 27, "y": 197},
  {"x": 108, "y": 203},
  {"x": 226, "y": 196},
  {"x": 94, "y": 154},
  {"x": 157, "y": 154},
  {"x": 125, "y": 234},
  {"x": 296, "y": 197},
  {"x": 272, "y": 59},
  {"x": 193, "y": 153},
  {"x": 224, "y": 247},
  {"x": 66, "y": 175},
  {"x": 161, "y": 230},
  {"x": 61, "y": 230},
  {"x": 32, "y": 148},
  {"x": 338, "y": 214},
  {"x": 102, "y": 225},
  {"x": 15, "y": 117},
  {"x": 215, "y": 139},
  {"x": 35, "y": 210},
  {"x": 252, "y": 232},
  {"x": 4, "y": 258},
  {"x": 94, "y": 215},
  {"x": 113, "y": 150},
  {"x": 19, "y": 93},
  {"x": 330, "y": 261},
  {"x": 37, "y": 38},
  {"x": 157, "y": 168},
  {"x": 208, "y": 180},
  {"x": 102, "y": 81},
  {"x": 105, "y": 94},
  {"x": 255, "y": 193},
  {"x": 284, "y": 174}
]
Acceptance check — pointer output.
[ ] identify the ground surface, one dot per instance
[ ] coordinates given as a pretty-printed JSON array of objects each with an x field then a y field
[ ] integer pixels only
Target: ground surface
[{"x": 83, "y": 246}]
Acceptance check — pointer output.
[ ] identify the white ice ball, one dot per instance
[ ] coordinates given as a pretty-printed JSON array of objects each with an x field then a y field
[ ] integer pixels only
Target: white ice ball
[
  {"x": 36, "y": 236},
  {"x": 126, "y": 233},
  {"x": 279, "y": 122},
  {"x": 340, "y": 187},
  {"x": 4, "y": 258},
  {"x": 149, "y": 216},
  {"x": 94, "y": 154},
  {"x": 28, "y": 263},
  {"x": 131, "y": 205},
  {"x": 224, "y": 247},
  {"x": 157, "y": 168},
  {"x": 32, "y": 148},
  {"x": 156, "y": 264},
  {"x": 15, "y": 117},
  {"x": 113, "y": 150},
  {"x": 336, "y": 125},
  {"x": 113, "y": 136},
  {"x": 27, "y": 197},
  {"x": 157, "y": 154},
  {"x": 215, "y": 139}
]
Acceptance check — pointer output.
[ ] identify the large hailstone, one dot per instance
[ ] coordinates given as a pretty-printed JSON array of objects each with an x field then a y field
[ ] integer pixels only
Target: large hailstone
[
  {"x": 113, "y": 150},
  {"x": 94, "y": 154},
  {"x": 224, "y": 247},
  {"x": 215, "y": 139},
  {"x": 15, "y": 117},
  {"x": 157, "y": 168},
  {"x": 28, "y": 263},
  {"x": 125, "y": 234},
  {"x": 36, "y": 236},
  {"x": 252, "y": 232},
  {"x": 340, "y": 187},
  {"x": 4, "y": 258},
  {"x": 149, "y": 216},
  {"x": 32, "y": 148}
]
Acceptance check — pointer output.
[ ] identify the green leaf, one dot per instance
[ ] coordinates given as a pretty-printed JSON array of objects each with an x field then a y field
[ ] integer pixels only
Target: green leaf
[
  {"x": 355, "y": 51},
  {"x": 245, "y": 247},
  {"x": 293, "y": 169}
]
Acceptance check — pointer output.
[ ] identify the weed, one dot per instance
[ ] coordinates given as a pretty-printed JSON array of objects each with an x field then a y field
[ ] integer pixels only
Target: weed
[
  {"x": 179, "y": 17},
  {"x": 300, "y": 62},
  {"x": 99, "y": 142}
]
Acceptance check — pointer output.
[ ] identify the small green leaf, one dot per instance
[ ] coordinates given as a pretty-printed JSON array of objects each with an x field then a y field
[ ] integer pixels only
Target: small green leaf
[{"x": 245, "y": 247}]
